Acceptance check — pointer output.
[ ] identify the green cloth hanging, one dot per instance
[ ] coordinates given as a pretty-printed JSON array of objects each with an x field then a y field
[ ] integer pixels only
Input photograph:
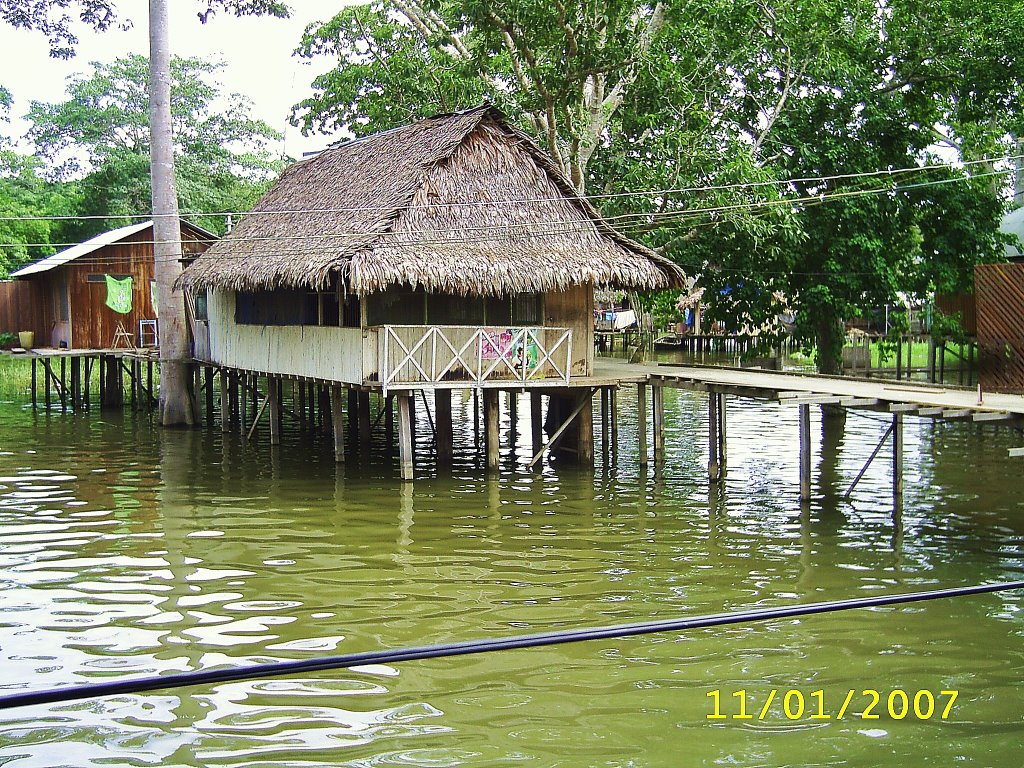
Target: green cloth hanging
[{"x": 119, "y": 294}]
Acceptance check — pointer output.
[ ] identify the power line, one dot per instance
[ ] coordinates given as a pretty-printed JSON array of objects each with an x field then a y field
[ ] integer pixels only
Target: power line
[
  {"x": 468, "y": 647},
  {"x": 589, "y": 198},
  {"x": 529, "y": 230}
]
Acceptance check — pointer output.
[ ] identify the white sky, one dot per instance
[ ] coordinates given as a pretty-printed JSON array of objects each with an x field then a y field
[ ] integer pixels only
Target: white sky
[{"x": 257, "y": 53}]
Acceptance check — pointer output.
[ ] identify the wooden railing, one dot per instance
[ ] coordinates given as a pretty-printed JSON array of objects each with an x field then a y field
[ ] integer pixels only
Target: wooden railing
[{"x": 417, "y": 354}]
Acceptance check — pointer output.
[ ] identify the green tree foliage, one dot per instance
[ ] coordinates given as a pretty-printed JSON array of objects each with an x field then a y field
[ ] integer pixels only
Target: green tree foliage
[
  {"x": 57, "y": 19},
  {"x": 100, "y": 136},
  {"x": 711, "y": 101}
]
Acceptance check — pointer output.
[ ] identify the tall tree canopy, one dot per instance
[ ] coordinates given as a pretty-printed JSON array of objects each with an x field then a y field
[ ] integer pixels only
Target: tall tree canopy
[
  {"x": 100, "y": 136},
  {"x": 58, "y": 19},
  {"x": 696, "y": 105}
]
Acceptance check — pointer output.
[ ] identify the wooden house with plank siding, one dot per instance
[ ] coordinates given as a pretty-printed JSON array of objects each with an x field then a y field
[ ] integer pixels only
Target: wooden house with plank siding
[
  {"x": 451, "y": 253},
  {"x": 73, "y": 284}
]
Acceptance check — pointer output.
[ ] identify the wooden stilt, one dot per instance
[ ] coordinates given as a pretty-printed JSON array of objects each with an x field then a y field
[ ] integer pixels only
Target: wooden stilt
[
  {"x": 208, "y": 392},
  {"x": 149, "y": 383},
  {"x": 324, "y": 405},
  {"x": 339, "y": 427},
  {"x": 713, "y": 441},
  {"x": 476, "y": 417},
  {"x": 86, "y": 381},
  {"x": 491, "y": 414},
  {"x": 243, "y": 415},
  {"x": 613, "y": 418},
  {"x": 389, "y": 423},
  {"x": 805, "y": 452},
  {"x": 605, "y": 432},
  {"x": 897, "y": 456},
  {"x": 513, "y": 412},
  {"x": 722, "y": 442},
  {"x": 35, "y": 398},
  {"x": 658, "y": 407},
  {"x": 76, "y": 383},
  {"x": 225, "y": 402},
  {"x": 353, "y": 410},
  {"x": 63, "y": 388},
  {"x": 133, "y": 384},
  {"x": 536, "y": 421},
  {"x": 405, "y": 442},
  {"x": 274, "y": 400},
  {"x": 641, "y": 422},
  {"x": 443, "y": 414},
  {"x": 585, "y": 433},
  {"x": 364, "y": 421}
]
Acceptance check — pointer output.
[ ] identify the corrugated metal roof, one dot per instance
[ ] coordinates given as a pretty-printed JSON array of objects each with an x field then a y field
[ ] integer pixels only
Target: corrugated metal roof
[{"x": 76, "y": 251}]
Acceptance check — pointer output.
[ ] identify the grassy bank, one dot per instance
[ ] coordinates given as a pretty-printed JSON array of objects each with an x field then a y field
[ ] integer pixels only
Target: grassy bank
[{"x": 15, "y": 377}]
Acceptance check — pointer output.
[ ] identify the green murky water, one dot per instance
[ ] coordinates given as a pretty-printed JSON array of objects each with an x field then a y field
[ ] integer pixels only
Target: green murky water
[{"x": 127, "y": 551}]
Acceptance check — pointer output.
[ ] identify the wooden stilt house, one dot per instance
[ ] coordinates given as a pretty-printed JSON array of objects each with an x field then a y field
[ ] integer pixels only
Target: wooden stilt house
[
  {"x": 447, "y": 252},
  {"x": 77, "y": 311}
]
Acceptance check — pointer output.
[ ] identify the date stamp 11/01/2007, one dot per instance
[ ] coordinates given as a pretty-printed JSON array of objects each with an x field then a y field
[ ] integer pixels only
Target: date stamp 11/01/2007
[{"x": 867, "y": 704}]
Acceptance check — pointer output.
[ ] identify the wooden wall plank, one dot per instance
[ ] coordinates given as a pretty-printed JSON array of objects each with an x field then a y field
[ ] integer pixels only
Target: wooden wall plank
[{"x": 999, "y": 292}]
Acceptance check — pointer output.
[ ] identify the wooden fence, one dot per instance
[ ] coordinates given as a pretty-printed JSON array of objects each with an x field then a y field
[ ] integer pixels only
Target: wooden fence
[
  {"x": 24, "y": 307},
  {"x": 999, "y": 293}
]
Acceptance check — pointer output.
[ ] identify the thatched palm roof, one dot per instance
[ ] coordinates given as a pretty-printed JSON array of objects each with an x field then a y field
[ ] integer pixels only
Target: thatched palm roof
[{"x": 461, "y": 203}]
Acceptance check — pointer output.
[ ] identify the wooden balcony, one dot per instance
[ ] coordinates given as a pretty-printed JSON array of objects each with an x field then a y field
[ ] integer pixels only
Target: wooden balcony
[{"x": 423, "y": 355}]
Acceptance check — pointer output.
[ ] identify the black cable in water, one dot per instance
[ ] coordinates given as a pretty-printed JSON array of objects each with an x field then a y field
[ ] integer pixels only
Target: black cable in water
[{"x": 275, "y": 669}]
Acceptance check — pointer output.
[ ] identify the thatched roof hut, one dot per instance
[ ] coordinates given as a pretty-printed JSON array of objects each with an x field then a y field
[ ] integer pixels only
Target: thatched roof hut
[{"x": 461, "y": 203}]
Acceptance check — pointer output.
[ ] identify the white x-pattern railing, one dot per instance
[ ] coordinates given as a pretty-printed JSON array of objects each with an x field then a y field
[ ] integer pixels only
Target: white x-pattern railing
[{"x": 417, "y": 354}]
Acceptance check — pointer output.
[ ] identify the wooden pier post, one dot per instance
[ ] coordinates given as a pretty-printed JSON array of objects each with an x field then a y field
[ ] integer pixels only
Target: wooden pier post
[
  {"x": 114, "y": 385},
  {"x": 658, "y": 406},
  {"x": 154, "y": 397},
  {"x": 405, "y": 442},
  {"x": 536, "y": 421},
  {"x": 274, "y": 401},
  {"x": 513, "y": 412},
  {"x": 225, "y": 402},
  {"x": 35, "y": 400},
  {"x": 897, "y": 457},
  {"x": 805, "y": 452},
  {"x": 133, "y": 384},
  {"x": 605, "y": 412},
  {"x": 76, "y": 383},
  {"x": 338, "y": 425},
  {"x": 491, "y": 433},
  {"x": 585, "y": 429},
  {"x": 62, "y": 391},
  {"x": 714, "y": 441},
  {"x": 243, "y": 415},
  {"x": 443, "y": 417},
  {"x": 613, "y": 417},
  {"x": 389, "y": 424},
  {"x": 641, "y": 422},
  {"x": 208, "y": 392},
  {"x": 364, "y": 420}
]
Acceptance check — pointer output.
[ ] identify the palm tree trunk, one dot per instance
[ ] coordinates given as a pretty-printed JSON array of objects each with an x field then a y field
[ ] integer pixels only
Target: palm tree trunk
[{"x": 177, "y": 402}]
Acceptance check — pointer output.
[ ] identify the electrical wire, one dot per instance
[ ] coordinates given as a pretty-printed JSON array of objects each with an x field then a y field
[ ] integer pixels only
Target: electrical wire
[
  {"x": 603, "y": 196},
  {"x": 446, "y": 650}
]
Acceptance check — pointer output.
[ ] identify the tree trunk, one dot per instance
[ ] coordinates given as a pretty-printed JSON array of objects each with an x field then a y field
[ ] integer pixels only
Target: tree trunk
[
  {"x": 177, "y": 402},
  {"x": 830, "y": 338}
]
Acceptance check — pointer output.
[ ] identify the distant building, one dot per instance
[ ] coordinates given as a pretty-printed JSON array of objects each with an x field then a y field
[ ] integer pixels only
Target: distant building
[{"x": 73, "y": 290}]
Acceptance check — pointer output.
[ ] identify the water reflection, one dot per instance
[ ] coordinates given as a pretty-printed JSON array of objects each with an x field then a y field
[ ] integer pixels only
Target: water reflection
[{"x": 127, "y": 550}]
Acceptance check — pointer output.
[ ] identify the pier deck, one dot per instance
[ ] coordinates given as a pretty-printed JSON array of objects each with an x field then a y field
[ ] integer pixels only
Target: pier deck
[{"x": 794, "y": 388}]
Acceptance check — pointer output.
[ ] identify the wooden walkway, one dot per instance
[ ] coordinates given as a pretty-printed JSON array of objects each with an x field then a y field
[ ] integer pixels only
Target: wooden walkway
[
  {"x": 803, "y": 390},
  {"x": 908, "y": 397}
]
